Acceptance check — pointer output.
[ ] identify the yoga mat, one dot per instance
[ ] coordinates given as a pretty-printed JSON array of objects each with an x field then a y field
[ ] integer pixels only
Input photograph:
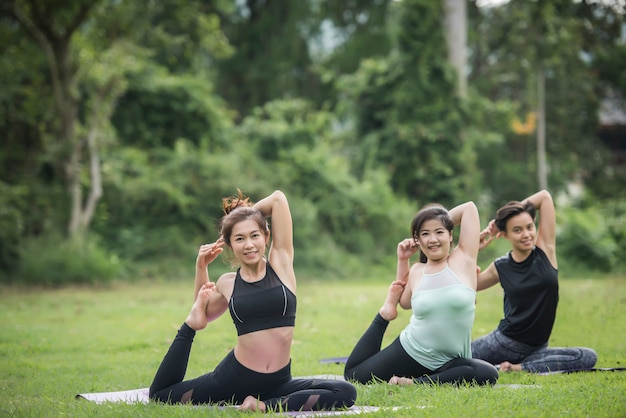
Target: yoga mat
[
  {"x": 322, "y": 376},
  {"x": 125, "y": 396},
  {"x": 498, "y": 385},
  {"x": 354, "y": 410},
  {"x": 336, "y": 360},
  {"x": 593, "y": 369},
  {"x": 141, "y": 396},
  {"x": 342, "y": 360}
]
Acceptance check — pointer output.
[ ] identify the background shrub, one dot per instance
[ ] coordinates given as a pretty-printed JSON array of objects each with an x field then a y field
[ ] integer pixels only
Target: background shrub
[
  {"x": 53, "y": 260},
  {"x": 585, "y": 239}
]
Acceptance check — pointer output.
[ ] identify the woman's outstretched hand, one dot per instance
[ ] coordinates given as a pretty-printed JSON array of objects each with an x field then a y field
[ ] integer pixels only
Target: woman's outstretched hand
[
  {"x": 208, "y": 253},
  {"x": 487, "y": 235},
  {"x": 407, "y": 248},
  {"x": 485, "y": 239}
]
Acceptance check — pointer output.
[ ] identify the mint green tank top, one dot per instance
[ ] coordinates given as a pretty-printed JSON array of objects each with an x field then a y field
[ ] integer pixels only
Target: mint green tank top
[{"x": 440, "y": 328}]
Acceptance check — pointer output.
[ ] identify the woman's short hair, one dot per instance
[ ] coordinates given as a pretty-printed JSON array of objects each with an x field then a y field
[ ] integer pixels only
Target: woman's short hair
[{"x": 511, "y": 209}]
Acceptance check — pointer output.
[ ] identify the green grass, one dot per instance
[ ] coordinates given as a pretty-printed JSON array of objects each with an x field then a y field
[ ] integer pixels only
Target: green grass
[{"x": 57, "y": 343}]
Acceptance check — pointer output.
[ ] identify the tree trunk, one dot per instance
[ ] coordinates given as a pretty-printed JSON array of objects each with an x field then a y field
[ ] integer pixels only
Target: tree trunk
[
  {"x": 55, "y": 42},
  {"x": 95, "y": 192},
  {"x": 542, "y": 166},
  {"x": 455, "y": 23}
]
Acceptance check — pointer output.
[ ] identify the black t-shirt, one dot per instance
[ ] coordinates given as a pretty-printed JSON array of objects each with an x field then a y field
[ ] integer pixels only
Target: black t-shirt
[{"x": 531, "y": 295}]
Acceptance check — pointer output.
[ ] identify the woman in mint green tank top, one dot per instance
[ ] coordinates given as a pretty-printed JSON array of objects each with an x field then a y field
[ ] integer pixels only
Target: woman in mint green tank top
[{"x": 440, "y": 290}]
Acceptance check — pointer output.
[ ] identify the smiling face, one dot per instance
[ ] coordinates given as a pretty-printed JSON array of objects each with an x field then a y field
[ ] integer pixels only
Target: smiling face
[
  {"x": 434, "y": 239},
  {"x": 248, "y": 241},
  {"x": 521, "y": 232}
]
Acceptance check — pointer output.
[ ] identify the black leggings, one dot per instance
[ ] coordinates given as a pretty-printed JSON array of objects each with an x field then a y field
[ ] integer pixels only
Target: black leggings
[
  {"x": 231, "y": 382},
  {"x": 368, "y": 364}
]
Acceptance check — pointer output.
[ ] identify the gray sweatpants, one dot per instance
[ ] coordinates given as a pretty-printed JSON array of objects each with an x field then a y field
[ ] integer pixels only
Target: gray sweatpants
[{"x": 496, "y": 347}]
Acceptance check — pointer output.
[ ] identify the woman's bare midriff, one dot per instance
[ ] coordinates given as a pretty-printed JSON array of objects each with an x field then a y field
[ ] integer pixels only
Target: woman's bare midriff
[{"x": 265, "y": 351}]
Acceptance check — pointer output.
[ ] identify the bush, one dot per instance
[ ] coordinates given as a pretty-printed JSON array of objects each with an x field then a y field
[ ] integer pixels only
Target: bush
[
  {"x": 615, "y": 216},
  {"x": 11, "y": 227},
  {"x": 584, "y": 239},
  {"x": 53, "y": 260}
]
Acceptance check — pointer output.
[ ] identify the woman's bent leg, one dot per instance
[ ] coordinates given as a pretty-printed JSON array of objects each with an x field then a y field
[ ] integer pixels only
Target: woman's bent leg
[
  {"x": 383, "y": 365},
  {"x": 174, "y": 365},
  {"x": 311, "y": 395},
  {"x": 496, "y": 348},
  {"x": 463, "y": 370},
  {"x": 560, "y": 358},
  {"x": 367, "y": 346}
]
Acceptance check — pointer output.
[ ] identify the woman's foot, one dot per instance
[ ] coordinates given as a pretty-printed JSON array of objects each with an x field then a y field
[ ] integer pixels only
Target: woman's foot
[
  {"x": 252, "y": 404},
  {"x": 400, "y": 381},
  {"x": 389, "y": 310},
  {"x": 505, "y": 366},
  {"x": 197, "y": 319}
]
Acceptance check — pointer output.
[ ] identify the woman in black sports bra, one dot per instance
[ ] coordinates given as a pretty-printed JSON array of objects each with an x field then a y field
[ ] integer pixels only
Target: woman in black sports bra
[{"x": 261, "y": 299}]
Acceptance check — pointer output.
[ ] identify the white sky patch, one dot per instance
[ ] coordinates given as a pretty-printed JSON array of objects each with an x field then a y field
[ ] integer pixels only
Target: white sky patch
[
  {"x": 490, "y": 3},
  {"x": 618, "y": 5}
]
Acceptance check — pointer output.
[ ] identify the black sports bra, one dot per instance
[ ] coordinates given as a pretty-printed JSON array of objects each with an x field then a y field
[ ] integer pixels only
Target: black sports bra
[{"x": 263, "y": 304}]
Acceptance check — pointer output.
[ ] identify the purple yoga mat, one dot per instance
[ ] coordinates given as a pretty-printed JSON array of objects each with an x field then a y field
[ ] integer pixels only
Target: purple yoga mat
[{"x": 336, "y": 360}]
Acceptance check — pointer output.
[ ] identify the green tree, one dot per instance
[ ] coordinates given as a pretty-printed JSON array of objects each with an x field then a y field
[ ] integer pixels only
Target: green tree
[
  {"x": 604, "y": 43},
  {"x": 271, "y": 58},
  {"x": 354, "y": 30},
  {"x": 286, "y": 50},
  {"x": 173, "y": 96},
  {"x": 92, "y": 52},
  {"x": 52, "y": 26},
  {"x": 514, "y": 47},
  {"x": 408, "y": 117},
  {"x": 293, "y": 146},
  {"x": 68, "y": 64},
  {"x": 27, "y": 183}
]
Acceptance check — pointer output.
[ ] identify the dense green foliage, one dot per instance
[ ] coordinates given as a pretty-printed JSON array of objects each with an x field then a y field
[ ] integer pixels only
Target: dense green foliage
[
  {"x": 54, "y": 261},
  {"x": 567, "y": 41},
  {"x": 594, "y": 236},
  {"x": 407, "y": 117},
  {"x": 125, "y": 123}
]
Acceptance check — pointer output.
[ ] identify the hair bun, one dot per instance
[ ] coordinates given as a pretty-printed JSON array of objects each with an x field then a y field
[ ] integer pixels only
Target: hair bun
[{"x": 233, "y": 202}]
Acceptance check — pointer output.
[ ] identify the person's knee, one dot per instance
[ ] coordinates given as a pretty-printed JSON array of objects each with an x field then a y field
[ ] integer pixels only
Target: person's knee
[
  {"x": 348, "y": 392},
  {"x": 487, "y": 374},
  {"x": 155, "y": 396},
  {"x": 352, "y": 375},
  {"x": 348, "y": 375},
  {"x": 491, "y": 376},
  {"x": 152, "y": 394}
]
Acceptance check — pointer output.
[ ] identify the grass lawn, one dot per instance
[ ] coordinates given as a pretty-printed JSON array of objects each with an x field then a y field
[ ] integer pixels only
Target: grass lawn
[{"x": 57, "y": 343}]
